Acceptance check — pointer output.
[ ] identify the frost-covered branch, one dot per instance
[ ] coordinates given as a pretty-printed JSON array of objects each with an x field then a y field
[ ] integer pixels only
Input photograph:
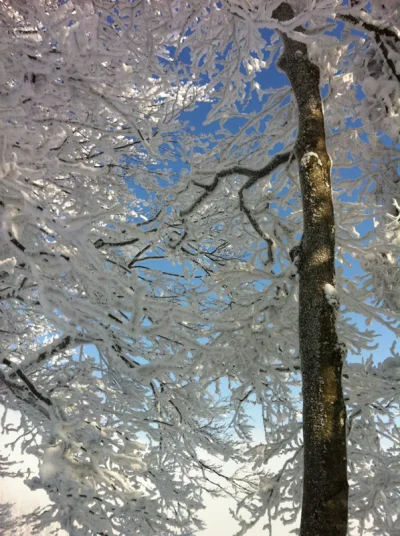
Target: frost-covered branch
[
  {"x": 253, "y": 174},
  {"x": 153, "y": 331},
  {"x": 379, "y": 33}
]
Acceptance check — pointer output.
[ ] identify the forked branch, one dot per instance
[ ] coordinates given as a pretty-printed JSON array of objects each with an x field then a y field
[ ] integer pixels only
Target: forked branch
[{"x": 253, "y": 176}]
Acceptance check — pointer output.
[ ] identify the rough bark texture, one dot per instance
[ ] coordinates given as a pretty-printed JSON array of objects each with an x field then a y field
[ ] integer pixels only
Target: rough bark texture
[{"x": 325, "y": 486}]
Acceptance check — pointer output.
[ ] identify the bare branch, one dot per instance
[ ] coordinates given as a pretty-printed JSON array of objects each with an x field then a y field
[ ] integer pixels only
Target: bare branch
[
  {"x": 256, "y": 226},
  {"x": 137, "y": 257},
  {"x": 253, "y": 174},
  {"x": 100, "y": 243}
]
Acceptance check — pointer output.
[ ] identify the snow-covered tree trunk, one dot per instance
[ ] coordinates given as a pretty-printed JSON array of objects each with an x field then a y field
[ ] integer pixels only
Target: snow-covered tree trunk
[{"x": 325, "y": 487}]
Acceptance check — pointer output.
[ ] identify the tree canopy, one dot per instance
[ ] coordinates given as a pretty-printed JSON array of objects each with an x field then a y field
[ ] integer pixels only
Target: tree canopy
[{"x": 160, "y": 163}]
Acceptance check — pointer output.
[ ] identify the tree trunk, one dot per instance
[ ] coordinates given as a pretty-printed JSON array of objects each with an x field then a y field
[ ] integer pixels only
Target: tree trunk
[{"x": 325, "y": 486}]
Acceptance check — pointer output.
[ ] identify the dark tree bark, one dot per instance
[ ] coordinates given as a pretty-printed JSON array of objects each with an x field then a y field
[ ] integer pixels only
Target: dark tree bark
[{"x": 325, "y": 486}]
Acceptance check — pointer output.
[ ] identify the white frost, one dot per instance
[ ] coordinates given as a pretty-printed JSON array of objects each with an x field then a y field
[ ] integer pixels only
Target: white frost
[
  {"x": 331, "y": 295},
  {"x": 305, "y": 161},
  {"x": 8, "y": 265}
]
